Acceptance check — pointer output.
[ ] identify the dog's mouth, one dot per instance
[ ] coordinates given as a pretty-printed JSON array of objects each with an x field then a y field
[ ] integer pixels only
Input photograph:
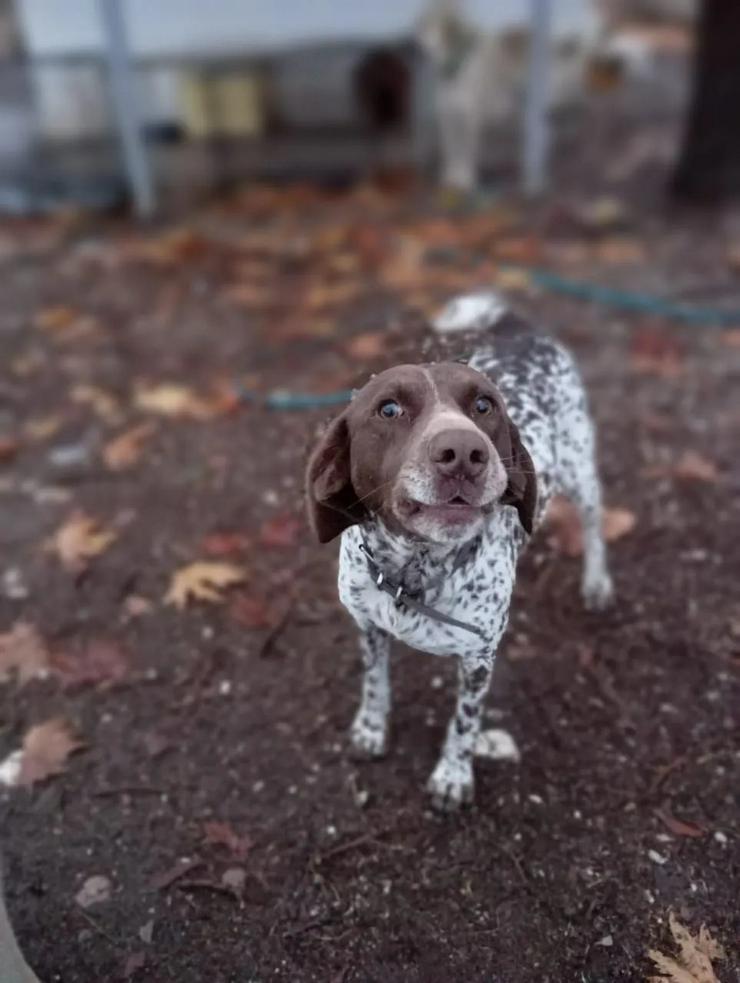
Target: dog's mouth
[{"x": 456, "y": 511}]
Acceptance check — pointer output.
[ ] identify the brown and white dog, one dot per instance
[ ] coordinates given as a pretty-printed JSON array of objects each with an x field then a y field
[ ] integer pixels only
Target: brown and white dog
[{"x": 435, "y": 476}]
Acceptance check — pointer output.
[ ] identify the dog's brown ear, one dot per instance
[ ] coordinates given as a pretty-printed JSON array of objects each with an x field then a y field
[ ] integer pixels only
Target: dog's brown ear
[
  {"x": 331, "y": 499},
  {"x": 521, "y": 491}
]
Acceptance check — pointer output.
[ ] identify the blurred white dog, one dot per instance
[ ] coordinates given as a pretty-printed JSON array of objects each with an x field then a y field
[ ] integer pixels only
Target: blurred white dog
[{"x": 481, "y": 79}]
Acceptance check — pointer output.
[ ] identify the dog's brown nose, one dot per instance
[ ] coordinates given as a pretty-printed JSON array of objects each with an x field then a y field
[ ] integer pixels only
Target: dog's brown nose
[{"x": 458, "y": 452}]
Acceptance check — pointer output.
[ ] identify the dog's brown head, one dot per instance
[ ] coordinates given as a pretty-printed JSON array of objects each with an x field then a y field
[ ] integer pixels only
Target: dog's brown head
[{"x": 427, "y": 448}]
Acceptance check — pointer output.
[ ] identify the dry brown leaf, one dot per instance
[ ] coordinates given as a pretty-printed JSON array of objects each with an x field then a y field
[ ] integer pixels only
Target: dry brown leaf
[
  {"x": 125, "y": 450},
  {"x": 98, "y": 662},
  {"x": 372, "y": 344},
  {"x": 173, "y": 400},
  {"x": 615, "y": 252},
  {"x": 45, "y": 750},
  {"x": 679, "y": 827},
  {"x": 281, "y": 530},
  {"x": 255, "y": 296},
  {"x": 617, "y": 522},
  {"x": 79, "y": 540},
  {"x": 23, "y": 649},
  {"x": 102, "y": 403},
  {"x": 43, "y": 427},
  {"x": 693, "y": 466},
  {"x": 325, "y": 295},
  {"x": 513, "y": 279},
  {"x": 65, "y": 322},
  {"x": 222, "y": 834},
  {"x": 654, "y": 352},
  {"x": 404, "y": 268},
  {"x": 203, "y": 581},
  {"x": 225, "y": 543},
  {"x": 731, "y": 338},
  {"x": 9, "y": 447},
  {"x": 693, "y": 962},
  {"x": 564, "y": 528}
]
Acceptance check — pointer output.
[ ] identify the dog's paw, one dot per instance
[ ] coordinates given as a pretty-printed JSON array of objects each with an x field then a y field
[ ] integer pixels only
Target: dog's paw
[
  {"x": 451, "y": 786},
  {"x": 598, "y": 593},
  {"x": 369, "y": 737}
]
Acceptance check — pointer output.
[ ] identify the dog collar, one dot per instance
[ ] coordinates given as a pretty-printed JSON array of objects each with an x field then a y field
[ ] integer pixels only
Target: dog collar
[{"x": 411, "y": 599}]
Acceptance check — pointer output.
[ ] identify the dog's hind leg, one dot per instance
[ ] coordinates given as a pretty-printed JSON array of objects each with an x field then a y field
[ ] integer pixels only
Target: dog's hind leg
[
  {"x": 370, "y": 727},
  {"x": 579, "y": 481}
]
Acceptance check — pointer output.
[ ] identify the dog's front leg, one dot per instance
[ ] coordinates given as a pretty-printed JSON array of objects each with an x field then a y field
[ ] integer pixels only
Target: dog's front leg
[
  {"x": 451, "y": 783},
  {"x": 370, "y": 728}
]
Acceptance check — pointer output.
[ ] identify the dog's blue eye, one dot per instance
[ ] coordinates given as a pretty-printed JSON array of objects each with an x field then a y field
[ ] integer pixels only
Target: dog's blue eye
[
  {"x": 390, "y": 409},
  {"x": 483, "y": 405}
]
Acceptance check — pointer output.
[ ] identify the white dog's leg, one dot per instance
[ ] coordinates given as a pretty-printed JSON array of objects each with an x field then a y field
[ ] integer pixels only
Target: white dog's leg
[
  {"x": 451, "y": 783},
  {"x": 580, "y": 483},
  {"x": 370, "y": 728}
]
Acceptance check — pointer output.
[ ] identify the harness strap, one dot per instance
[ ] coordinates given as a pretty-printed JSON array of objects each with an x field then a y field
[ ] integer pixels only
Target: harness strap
[{"x": 403, "y": 598}]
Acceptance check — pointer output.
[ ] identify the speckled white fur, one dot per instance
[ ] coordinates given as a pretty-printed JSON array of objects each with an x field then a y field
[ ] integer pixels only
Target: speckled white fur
[{"x": 545, "y": 398}]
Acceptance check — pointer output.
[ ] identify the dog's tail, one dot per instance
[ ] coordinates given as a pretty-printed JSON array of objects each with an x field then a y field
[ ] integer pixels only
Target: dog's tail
[{"x": 479, "y": 311}]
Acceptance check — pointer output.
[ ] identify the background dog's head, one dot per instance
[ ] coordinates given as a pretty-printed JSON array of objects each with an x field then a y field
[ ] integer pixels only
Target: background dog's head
[{"x": 429, "y": 449}]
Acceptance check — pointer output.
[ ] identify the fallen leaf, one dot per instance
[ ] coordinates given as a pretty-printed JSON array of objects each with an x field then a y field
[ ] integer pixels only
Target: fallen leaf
[
  {"x": 146, "y": 932},
  {"x": 679, "y": 827},
  {"x": 225, "y": 543},
  {"x": 654, "y": 352},
  {"x": 250, "y": 295},
  {"x": 513, "y": 279},
  {"x": 281, "y": 530},
  {"x": 203, "y": 580},
  {"x": 621, "y": 251},
  {"x": 617, "y": 522},
  {"x": 178, "y": 870},
  {"x": 404, "y": 269},
  {"x": 65, "y": 322},
  {"x": 254, "y": 611},
  {"x": 99, "y": 661},
  {"x": 23, "y": 650},
  {"x": 693, "y": 962},
  {"x": 519, "y": 249},
  {"x": 173, "y": 400},
  {"x": 169, "y": 249},
  {"x": 693, "y": 466},
  {"x": 730, "y": 338},
  {"x": 222, "y": 834},
  {"x": 372, "y": 344},
  {"x": 327, "y": 295},
  {"x": 9, "y": 447},
  {"x": 79, "y": 540},
  {"x": 103, "y": 403},
  {"x": 125, "y": 450},
  {"x": 44, "y": 752},
  {"x": 95, "y": 890},
  {"x": 133, "y": 963},
  {"x": 43, "y": 427},
  {"x": 565, "y": 533}
]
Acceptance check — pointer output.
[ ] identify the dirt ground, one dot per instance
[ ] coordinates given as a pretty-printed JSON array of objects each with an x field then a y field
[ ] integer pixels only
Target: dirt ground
[{"x": 623, "y": 806}]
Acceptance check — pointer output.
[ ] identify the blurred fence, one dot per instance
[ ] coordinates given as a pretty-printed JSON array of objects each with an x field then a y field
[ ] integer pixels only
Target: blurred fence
[{"x": 326, "y": 110}]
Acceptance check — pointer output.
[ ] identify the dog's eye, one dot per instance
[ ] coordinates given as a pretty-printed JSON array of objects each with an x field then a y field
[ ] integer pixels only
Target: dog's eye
[
  {"x": 389, "y": 409},
  {"x": 483, "y": 405}
]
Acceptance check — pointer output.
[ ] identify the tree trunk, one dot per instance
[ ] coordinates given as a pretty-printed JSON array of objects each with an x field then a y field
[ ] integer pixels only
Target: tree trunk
[{"x": 709, "y": 165}]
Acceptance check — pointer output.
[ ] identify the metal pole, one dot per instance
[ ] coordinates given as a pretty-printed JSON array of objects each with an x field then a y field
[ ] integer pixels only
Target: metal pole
[
  {"x": 536, "y": 123},
  {"x": 123, "y": 93}
]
